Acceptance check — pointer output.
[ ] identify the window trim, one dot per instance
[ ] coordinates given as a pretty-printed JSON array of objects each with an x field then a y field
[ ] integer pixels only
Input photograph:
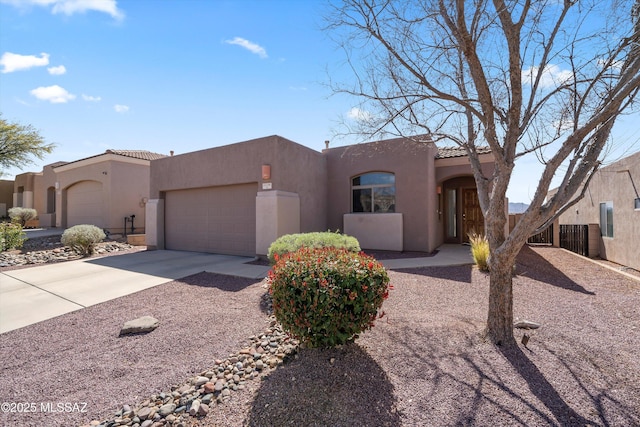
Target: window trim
[
  {"x": 372, "y": 188},
  {"x": 606, "y": 219}
]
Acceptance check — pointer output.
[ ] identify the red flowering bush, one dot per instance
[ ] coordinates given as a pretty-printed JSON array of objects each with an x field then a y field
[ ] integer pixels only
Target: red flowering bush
[{"x": 326, "y": 296}]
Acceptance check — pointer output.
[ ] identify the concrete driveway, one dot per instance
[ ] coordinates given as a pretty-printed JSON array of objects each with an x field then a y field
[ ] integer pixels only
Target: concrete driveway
[{"x": 38, "y": 293}]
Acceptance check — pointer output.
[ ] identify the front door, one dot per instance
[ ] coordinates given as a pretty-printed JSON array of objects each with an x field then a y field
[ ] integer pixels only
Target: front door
[{"x": 472, "y": 219}]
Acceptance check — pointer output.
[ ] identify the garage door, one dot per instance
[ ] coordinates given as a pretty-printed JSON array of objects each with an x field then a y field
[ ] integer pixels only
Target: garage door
[
  {"x": 85, "y": 204},
  {"x": 214, "y": 219}
]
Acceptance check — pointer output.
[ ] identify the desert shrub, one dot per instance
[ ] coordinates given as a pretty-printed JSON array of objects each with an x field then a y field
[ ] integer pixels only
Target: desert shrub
[
  {"x": 326, "y": 296},
  {"x": 82, "y": 238},
  {"x": 22, "y": 215},
  {"x": 293, "y": 242},
  {"x": 11, "y": 236},
  {"x": 480, "y": 250}
]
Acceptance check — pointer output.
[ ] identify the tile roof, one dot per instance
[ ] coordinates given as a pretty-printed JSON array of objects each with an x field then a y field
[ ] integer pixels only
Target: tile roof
[
  {"x": 449, "y": 152},
  {"x": 137, "y": 154}
]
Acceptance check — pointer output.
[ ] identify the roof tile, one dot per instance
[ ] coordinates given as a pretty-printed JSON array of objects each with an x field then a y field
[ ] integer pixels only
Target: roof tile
[{"x": 449, "y": 152}]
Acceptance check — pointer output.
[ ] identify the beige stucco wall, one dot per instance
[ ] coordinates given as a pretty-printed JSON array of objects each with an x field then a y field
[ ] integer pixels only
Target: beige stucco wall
[
  {"x": 277, "y": 214},
  {"x": 294, "y": 168},
  {"x": 416, "y": 198},
  {"x": 613, "y": 184},
  {"x": 376, "y": 231},
  {"x": 125, "y": 189}
]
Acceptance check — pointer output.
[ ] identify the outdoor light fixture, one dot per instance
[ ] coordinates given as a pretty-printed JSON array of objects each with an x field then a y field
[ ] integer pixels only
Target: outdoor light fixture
[{"x": 266, "y": 172}]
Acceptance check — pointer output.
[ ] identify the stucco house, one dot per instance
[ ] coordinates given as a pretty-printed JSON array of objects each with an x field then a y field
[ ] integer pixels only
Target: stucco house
[
  {"x": 6, "y": 196},
  {"x": 612, "y": 206},
  {"x": 101, "y": 190},
  {"x": 398, "y": 194}
]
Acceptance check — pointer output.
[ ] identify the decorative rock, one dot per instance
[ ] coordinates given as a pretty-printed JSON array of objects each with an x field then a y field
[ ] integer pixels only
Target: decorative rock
[
  {"x": 203, "y": 409},
  {"x": 201, "y": 380},
  {"x": 144, "y": 413},
  {"x": 526, "y": 324},
  {"x": 166, "y": 409},
  {"x": 140, "y": 325},
  {"x": 195, "y": 406},
  {"x": 214, "y": 385}
]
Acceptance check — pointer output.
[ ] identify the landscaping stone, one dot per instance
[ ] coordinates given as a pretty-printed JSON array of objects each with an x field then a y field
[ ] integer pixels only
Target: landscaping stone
[
  {"x": 44, "y": 255},
  {"x": 140, "y": 325},
  {"x": 526, "y": 324},
  {"x": 195, "y": 396}
]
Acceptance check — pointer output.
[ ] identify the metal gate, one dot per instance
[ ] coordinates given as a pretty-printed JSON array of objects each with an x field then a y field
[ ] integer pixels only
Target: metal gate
[
  {"x": 575, "y": 237},
  {"x": 545, "y": 237}
]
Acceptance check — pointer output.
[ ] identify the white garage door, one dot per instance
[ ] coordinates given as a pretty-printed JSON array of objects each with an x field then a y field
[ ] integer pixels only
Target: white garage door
[
  {"x": 214, "y": 219},
  {"x": 85, "y": 204}
]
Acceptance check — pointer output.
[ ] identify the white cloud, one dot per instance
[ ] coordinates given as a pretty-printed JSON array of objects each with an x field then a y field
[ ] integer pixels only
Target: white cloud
[
  {"x": 552, "y": 76},
  {"x": 69, "y": 7},
  {"x": 121, "y": 108},
  {"x": 57, "y": 71},
  {"x": 360, "y": 115},
  {"x": 15, "y": 62},
  {"x": 91, "y": 98},
  {"x": 250, "y": 46},
  {"x": 54, "y": 94}
]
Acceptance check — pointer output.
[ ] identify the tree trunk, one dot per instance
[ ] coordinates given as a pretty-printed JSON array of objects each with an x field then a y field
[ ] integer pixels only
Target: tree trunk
[{"x": 500, "y": 318}]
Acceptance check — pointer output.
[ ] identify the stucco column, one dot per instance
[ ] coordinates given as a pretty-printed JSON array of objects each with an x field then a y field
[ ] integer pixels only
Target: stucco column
[
  {"x": 154, "y": 224},
  {"x": 277, "y": 214},
  {"x": 432, "y": 208}
]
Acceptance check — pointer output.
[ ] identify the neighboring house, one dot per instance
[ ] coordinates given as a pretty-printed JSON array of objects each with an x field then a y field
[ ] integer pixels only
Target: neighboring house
[
  {"x": 100, "y": 190},
  {"x": 398, "y": 194},
  {"x": 6, "y": 196},
  {"x": 612, "y": 205}
]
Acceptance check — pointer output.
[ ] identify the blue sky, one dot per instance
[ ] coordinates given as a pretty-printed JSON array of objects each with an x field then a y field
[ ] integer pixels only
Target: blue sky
[{"x": 179, "y": 75}]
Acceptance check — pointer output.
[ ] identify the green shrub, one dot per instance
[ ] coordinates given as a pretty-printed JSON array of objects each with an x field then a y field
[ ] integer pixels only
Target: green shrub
[
  {"x": 83, "y": 238},
  {"x": 11, "y": 236},
  {"x": 480, "y": 250},
  {"x": 293, "y": 242},
  {"x": 326, "y": 296},
  {"x": 22, "y": 215}
]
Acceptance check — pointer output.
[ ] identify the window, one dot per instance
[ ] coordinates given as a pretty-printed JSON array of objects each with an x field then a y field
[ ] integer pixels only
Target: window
[
  {"x": 374, "y": 192},
  {"x": 606, "y": 219}
]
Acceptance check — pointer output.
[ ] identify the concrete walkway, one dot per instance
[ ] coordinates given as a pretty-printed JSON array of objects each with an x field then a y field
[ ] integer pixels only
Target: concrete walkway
[{"x": 35, "y": 294}]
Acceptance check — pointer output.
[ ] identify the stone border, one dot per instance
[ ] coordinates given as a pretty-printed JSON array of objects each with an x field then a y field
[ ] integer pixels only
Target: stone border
[{"x": 195, "y": 397}]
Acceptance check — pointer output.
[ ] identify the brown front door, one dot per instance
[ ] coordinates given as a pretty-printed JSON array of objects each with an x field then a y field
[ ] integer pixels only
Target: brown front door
[{"x": 472, "y": 220}]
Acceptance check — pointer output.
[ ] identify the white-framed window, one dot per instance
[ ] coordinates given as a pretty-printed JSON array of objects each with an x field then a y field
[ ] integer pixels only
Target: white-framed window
[
  {"x": 374, "y": 192},
  {"x": 606, "y": 219}
]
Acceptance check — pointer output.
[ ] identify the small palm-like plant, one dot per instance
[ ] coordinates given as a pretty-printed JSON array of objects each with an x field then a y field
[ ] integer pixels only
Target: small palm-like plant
[{"x": 480, "y": 250}]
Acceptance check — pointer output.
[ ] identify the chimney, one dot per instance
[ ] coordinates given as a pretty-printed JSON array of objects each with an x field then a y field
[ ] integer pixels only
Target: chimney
[
  {"x": 171, "y": 153},
  {"x": 326, "y": 144}
]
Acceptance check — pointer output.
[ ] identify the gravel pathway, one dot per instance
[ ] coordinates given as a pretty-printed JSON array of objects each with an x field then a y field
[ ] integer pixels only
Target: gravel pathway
[{"x": 423, "y": 364}]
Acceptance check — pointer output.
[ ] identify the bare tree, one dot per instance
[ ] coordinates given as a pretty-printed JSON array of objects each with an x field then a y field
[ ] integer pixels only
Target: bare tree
[{"x": 541, "y": 78}]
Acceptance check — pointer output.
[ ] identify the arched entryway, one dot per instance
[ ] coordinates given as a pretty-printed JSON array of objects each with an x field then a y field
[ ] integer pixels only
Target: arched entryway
[
  {"x": 461, "y": 209},
  {"x": 84, "y": 204}
]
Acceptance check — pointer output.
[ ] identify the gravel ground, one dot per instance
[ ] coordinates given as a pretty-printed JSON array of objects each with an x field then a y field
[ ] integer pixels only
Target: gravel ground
[{"x": 423, "y": 364}]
